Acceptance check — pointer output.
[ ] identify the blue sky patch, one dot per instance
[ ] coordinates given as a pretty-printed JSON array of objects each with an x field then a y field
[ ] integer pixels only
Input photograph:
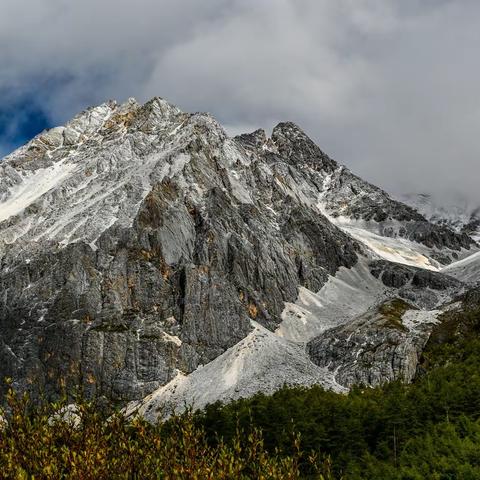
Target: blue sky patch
[{"x": 19, "y": 122}]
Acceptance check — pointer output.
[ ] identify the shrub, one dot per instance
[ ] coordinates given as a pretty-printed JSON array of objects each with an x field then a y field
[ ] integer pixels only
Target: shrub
[{"x": 56, "y": 441}]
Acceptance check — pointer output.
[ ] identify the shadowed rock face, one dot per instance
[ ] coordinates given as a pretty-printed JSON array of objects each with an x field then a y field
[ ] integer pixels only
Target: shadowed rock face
[{"x": 397, "y": 276}]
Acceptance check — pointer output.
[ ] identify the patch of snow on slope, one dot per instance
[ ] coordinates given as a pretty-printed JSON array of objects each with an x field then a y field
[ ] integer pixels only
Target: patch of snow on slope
[
  {"x": 393, "y": 249},
  {"x": 33, "y": 187},
  {"x": 349, "y": 293},
  {"x": 466, "y": 270},
  {"x": 262, "y": 361}
]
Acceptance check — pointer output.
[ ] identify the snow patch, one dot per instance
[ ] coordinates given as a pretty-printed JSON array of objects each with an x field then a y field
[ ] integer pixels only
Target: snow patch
[
  {"x": 393, "y": 249},
  {"x": 466, "y": 270},
  {"x": 33, "y": 186}
]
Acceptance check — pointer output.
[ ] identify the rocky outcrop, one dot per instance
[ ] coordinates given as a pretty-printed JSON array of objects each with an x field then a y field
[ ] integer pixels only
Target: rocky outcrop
[
  {"x": 424, "y": 288},
  {"x": 383, "y": 345},
  {"x": 397, "y": 276}
]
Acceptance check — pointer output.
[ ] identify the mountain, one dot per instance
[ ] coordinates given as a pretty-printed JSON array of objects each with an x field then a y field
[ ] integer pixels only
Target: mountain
[
  {"x": 149, "y": 258},
  {"x": 458, "y": 213}
]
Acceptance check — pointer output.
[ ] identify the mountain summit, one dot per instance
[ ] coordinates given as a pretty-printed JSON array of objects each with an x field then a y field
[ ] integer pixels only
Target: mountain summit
[{"x": 150, "y": 258}]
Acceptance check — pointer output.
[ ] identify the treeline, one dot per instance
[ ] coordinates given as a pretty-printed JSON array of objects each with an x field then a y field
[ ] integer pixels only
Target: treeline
[{"x": 429, "y": 429}]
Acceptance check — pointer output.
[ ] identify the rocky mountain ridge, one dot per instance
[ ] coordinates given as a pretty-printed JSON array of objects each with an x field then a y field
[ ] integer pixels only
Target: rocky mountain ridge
[
  {"x": 145, "y": 254},
  {"x": 458, "y": 213}
]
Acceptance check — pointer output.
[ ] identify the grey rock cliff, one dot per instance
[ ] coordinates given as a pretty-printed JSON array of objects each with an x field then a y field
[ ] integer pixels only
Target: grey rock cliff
[{"x": 383, "y": 345}]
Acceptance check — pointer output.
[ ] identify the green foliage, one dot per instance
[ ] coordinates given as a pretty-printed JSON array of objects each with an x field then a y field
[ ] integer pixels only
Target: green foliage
[{"x": 393, "y": 311}]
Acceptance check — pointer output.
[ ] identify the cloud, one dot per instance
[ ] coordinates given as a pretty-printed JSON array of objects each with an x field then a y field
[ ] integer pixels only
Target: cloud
[{"x": 388, "y": 88}]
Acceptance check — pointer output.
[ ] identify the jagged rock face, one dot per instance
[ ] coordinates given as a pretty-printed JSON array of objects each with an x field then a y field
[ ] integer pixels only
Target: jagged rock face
[
  {"x": 298, "y": 149},
  {"x": 293, "y": 145},
  {"x": 424, "y": 288},
  {"x": 347, "y": 195},
  {"x": 383, "y": 345},
  {"x": 145, "y": 246}
]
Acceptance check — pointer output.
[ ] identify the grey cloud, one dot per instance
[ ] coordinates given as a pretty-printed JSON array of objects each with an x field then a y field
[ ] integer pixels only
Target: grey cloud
[{"x": 389, "y": 88}]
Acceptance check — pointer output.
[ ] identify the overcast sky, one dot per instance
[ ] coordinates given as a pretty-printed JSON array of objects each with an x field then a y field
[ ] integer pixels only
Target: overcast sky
[{"x": 389, "y": 88}]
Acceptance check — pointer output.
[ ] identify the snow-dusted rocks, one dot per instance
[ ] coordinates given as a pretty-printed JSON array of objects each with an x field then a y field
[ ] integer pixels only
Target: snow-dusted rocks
[{"x": 72, "y": 183}]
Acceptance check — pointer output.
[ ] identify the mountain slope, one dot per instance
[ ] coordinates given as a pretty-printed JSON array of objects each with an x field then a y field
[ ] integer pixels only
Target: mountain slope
[
  {"x": 139, "y": 242},
  {"x": 150, "y": 244},
  {"x": 391, "y": 229},
  {"x": 456, "y": 213}
]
